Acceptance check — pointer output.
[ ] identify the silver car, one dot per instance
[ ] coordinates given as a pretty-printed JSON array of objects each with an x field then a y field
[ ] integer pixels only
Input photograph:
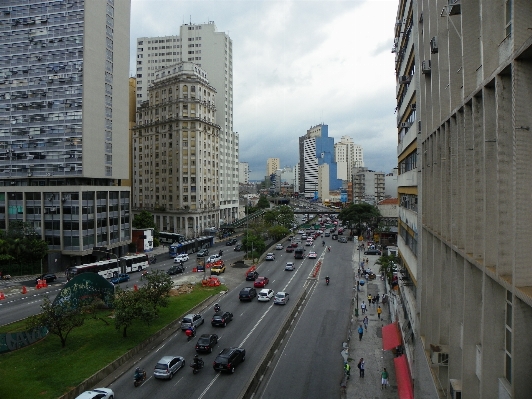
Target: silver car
[
  {"x": 281, "y": 298},
  {"x": 192, "y": 319},
  {"x": 168, "y": 366}
]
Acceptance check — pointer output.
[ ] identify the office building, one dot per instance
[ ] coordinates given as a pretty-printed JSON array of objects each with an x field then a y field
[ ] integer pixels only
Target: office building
[
  {"x": 243, "y": 173},
  {"x": 212, "y": 51},
  {"x": 272, "y": 164},
  {"x": 64, "y": 124},
  {"x": 368, "y": 186},
  {"x": 347, "y": 155}
]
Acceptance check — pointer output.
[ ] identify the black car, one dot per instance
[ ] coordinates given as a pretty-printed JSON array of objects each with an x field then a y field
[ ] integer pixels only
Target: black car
[
  {"x": 247, "y": 294},
  {"x": 49, "y": 277},
  {"x": 251, "y": 276},
  {"x": 238, "y": 248},
  {"x": 221, "y": 318},
  {"x": 206, "y": 342},
  {"x": 372, "y": 252},
  {"x": 203, "y": 252},
  {"x": 232, "y": 241},
  {"x": 228, "y": 359},
  {"x": 176, "y": 269}
]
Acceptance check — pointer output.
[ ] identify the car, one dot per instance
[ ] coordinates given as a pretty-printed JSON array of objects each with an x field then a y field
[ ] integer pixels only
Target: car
[
  {"x": 342, "y": 239},
  {"x": 289, "y": 248},
  {"x": 230, "y": 242},
  {"x": 247, "y": 294},
  {"x": 261, "y": 282},
  {"x": 327, "y": 234},
  {"x": 294, "y": 244},
  {"x": 181, "y": 258},
  {"x": 121, "y": 278},
  {"x": 309, "y": 243},
  {"x": 206, "y": 343},
  {"x": 281, "y": 298},
  {"x": 372, "y": 252},
  {"x": 213, "y": 258},
  {"x": 49, "y": 277},
  {"x": 265, "y": 295},
  {"x": 312, "y": 255},
  {"x": 192, "y": 319},
  {"x": 238, "y": 248},
  {"x": 97, "y": 393},
  {"x": 270, "y": 256},
  {"x": 203, "y": 252},
  {"x": 304, "y": 237},
  {"x": 221, "y": 318},
  {"x": 168, "y": 366},
  {"x": 289, "y": 266},
  {"x": 279, "y": 246},
  {"x": 228, "y": 359},
  {"x": 300, "y": 232},
  {"x": 334, "y": 236},
  {"x": 218, "y": 268},
  {"x": 175, "y": 270},
  {"x": 251, "y": 276}
]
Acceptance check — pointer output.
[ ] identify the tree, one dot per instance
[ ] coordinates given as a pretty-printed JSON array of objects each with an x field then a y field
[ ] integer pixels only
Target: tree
[
  {"x": 144, "y": 220},
  {"x": 387, "y": 263},
  {"x": 129, "y": 306},
  {"x": 255, "y": 243},
  {"x": 362, "y": 214},
  {"x": 60, "y": 318},
  {"x": 278, "y": 232},
  {"x": 263, "y": 202},
  {"x": 157, "y": 289}
]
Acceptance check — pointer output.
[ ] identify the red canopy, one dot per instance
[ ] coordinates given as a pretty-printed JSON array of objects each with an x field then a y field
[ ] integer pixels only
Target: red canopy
[
  {"x": 402, "y": 376},
  {"x": 391, "y": 337}
]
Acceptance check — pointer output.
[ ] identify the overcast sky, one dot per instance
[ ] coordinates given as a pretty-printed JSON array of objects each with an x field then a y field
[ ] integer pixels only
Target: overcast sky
[{"x": 296, "y": 64}]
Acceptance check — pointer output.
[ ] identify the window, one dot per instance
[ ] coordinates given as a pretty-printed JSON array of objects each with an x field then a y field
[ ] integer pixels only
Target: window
[{"x": 508, "y": 9}]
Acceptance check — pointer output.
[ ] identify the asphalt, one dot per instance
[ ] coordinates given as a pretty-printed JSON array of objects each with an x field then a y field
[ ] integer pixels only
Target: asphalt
[{"x": 370, "y": 347}]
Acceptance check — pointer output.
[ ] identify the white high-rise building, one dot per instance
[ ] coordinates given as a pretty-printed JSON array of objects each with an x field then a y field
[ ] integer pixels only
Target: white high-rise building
[
  {"x": 348, "y": 155},
  {"x": 213, "y": 52},
  {"x": 272, "y": 164},
  {"x": 243, "y": 173}
]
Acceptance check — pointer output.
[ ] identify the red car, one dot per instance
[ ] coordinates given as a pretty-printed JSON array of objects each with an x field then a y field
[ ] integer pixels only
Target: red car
[
  {"x": 294, "y": 244},
  {"x": 261, "y": 282},
  {"x": 289, "y": 249}
]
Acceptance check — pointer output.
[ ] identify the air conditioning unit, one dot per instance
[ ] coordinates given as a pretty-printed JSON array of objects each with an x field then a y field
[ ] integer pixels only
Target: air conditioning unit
[
  {"x": 425, "y": 67},
  {"x": 406, "y": 124},
  {"x": 413, "y": 106},
  {"x": 439, "y": 355},
  {"x": 433, "y": 45},
  {"x": 405, "y": 79}
]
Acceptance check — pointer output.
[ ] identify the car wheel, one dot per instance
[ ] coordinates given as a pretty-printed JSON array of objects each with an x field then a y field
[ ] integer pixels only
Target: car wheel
[
  {"x": 225, "y": 324},
  {"x": 171, "y": 375},
  {"x": 203, "y": 321},
  {"x": 111, "y": 397}
]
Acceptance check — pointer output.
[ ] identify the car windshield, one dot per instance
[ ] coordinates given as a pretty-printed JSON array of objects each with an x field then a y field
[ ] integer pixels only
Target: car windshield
[
  {"x": 187, "y": 321},
  {"x": 161, "y": 366},
  {"x": 203, "y": 341},
  {"x": 263, "y": 293},
  {"x": 280, "y": 296}
]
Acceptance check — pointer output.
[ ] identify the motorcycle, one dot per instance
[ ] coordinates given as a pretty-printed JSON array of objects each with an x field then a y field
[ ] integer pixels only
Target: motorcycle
[
  {"x": 144, "y": 274},
  {"x": 197, "y": 366},
  {"x": 221, "y": 252},
  {"x": 190, "y": 334},
  {"x": 329, "y": 249},
  {"x": 216, "y": 308},
  {"x": 139, "y": 378},
  {"x": 327, "y": 280},
  {"x": 323, "y": 242}
]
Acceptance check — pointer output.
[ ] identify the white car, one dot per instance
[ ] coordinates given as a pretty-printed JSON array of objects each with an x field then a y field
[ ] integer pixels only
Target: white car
[
  {"x": 309, "y": 243},
  {"x": 281, "y": 298},
  {"x": 270, "y": 256},
  {"x": 300, "y": 232},
  {"x": 213, "y": 258},
  {"x": 181, "y": 258},
  {"x": 97, "y": 393},
  {"x": 289, "y": 266},
  {"x": 312, "y": 255},
  {"x": 279, "y": 246},
  {"x": 265, "y": 295}
]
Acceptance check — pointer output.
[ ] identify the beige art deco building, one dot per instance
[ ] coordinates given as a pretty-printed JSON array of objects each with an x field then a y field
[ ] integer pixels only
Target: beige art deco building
[{"x": 176, "y": 151}]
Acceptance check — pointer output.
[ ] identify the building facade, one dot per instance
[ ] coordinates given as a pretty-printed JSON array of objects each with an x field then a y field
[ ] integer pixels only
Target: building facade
[
  {"x": 347, "y": 155},
  {"x": 243, "y": 173},
  {"x": 368, "y": 186},
  {"x": 176, "y": 151},
  {"x": 212, "y": 51},
  {"x": 64, "y": 124},
  {"x": 272, "y": 164}
]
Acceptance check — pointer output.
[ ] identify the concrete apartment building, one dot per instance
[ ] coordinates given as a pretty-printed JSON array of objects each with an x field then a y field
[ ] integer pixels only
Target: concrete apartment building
[
  {"x": 347, "y": 155},
  {"x": 368, "y": 186},
  {"x": 64, "y": 124},
  {"x": 472, "y": 75},
  {"x": 212, "y": 51},
  {"x": 176, "y": 151},
  {"x": 243, "y": 173},
  {"x": 272, "y": 164}
]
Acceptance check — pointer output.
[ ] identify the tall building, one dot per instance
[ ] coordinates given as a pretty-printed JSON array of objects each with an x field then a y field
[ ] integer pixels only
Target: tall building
[
  {"x": 64, "y": 124},
  {"x": 348, "y": 155},
  {"x": 243, "y": 173},
  {"x": 212, "y": 51},
  {"x": 368, "y": 186},
  {"x": 176, "y": 151},
  {"x": 316, "y": 148},
  {"x": 272, "y": 164}
]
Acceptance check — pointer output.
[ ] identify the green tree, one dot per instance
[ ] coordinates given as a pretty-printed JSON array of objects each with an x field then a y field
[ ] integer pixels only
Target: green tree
[
  {"x": 359, "y": 215},
  {"x": 60, "y": 318},
  {"x": 157, "y": 289},
  {"x": 387, "y": 263},
  {"x": 278, "y": 232},
  {"x": 128, "y": 306},
  {"x": 144, "y": 220},
  {"x": 286, "y": 216},
  {"x": 254, "y": 243},
  {"x": 263, "y": 202}
]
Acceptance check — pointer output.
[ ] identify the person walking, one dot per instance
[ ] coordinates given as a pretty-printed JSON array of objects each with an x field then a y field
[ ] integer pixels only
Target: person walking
[
  {"x": 361, "y": 365},
  {"x": 366, "y": 321},
  {"x": 363, "y": 307},
  {"x": 384, "y": 379},
  {"x": 379, "y": 311},
  {"x": 369, "y": 298},
  {"x": 347, "y": 369},
  {"x": 360, "y": 332}
]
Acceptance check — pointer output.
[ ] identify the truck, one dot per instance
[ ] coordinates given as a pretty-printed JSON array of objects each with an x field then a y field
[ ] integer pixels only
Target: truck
[{"x": 299, "y": 253}]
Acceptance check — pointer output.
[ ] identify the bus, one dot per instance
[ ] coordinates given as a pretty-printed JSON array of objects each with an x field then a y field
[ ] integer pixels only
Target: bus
[
  {"x": 110, "y": 268},
  {"x": 190, "y": 246},
  {"x": 170, "y": 238}
]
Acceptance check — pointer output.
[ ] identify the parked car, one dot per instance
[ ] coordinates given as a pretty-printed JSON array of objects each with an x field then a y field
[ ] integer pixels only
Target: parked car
[
  {"x": 261, "y": 282},
  {"x": 97, "y": 393},
  {"x": 343, "y": 240},
  {"x": 49, "y": 277},
  {"x": 122, "y": 278},
  {"x": 247, "y": 294},
  {"x": 279, "y": 246},
  {"x": 206, "y": 343},
  {"x": 281, "y": 298},
  {"x": 238, "y": 248},
  {"x": 221, "y": 318},
  {"x": 289, "y": 266},
  {"x": 265, "y": 295},
  {"x": 228, "y": 359},
  {"x": 181, "y": 258},
  {"x": 372, "y": 252},
  {"x": 218, "y": 268},
  {"x": 312, "y": 255},
  {"x": 168, "y": 366},
  {"x": 192, "y": 318},
  {"x": 203, "y": 252},
  {"x": 290, "y": 248},
  {"x": 251, "y": 276},
  {"x": 230, "y": 242},
  {"x": 270, "y": 256},
  {"x": 175, "y": 270}
]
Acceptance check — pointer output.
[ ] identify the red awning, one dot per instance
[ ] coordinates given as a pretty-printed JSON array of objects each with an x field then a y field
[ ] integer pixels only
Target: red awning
[
  {"x": 402, "y": 376},
  {"x": 391, "y": 337}
]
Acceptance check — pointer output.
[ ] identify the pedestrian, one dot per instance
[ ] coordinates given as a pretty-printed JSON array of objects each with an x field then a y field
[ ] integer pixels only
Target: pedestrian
[
  {"x": 377, "y": 297},
  {"x": 369, "y": 298},
  {"x": 363, "y": 307},
  {"x": 366, "y": 321},
  {"x": 347, "y": 369},
  {"x": 361, "y": 364},
  {"x": 367, "y": 261},
  {"x": 360, "y": 332},
  {"x": 379, "y": 311},
  {"x": 384, "y": 378}
]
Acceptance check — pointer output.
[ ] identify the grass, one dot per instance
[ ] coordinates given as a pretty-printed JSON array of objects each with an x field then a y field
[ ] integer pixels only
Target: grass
[{"x": 46, "y": 370}]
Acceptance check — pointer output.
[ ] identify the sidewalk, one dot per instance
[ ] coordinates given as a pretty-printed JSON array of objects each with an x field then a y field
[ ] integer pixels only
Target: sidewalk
[{"x": 370, "y": 347}]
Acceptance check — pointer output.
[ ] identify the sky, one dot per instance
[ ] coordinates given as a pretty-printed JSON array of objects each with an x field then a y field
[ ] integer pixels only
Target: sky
[{"x": 296, "y": 64}]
